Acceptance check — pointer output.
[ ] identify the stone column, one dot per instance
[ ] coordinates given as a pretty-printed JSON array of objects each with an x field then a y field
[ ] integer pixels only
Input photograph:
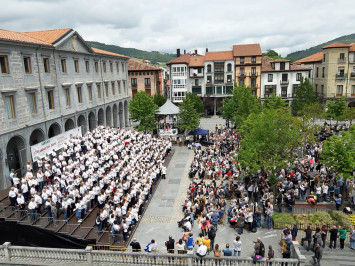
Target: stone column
[
  {"x": 7, "y": 251},
  {"x": 89, "y": 259}
]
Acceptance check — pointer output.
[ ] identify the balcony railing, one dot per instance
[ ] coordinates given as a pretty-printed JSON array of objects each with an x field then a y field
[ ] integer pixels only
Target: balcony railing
[
  {"x": 284, "y": 82},
  {"x": 218, "y": 81},
  {"x": 341, "y": 60},
  {"x": 178, "y": 74},
  {"x": 241, "y": 75},
  {"x": 253, "y": 74},
  {"x": 219, "y": 70},
  {"x": 341, "y": 75},
  {"x": 178, "y": 98}
]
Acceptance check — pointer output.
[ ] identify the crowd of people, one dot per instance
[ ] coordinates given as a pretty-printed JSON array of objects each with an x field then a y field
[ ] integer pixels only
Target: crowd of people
[{"x": 108, "y": 167}]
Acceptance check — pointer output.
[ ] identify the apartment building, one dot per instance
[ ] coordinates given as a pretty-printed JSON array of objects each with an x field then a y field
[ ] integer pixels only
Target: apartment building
[
  {"x": 50, "y": 82},
  {"x": 333, "y": 72},
  {"x": 144, "y": 77},
  {"x": 281, "y": 77},
  {"x": 247, "y": 59}
]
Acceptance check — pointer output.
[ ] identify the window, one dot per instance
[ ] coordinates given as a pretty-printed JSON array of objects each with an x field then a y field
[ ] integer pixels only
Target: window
[
  {"x": 341, "y": 71},
  {"x": 111, "y": 67},
  {"x": 284, "y": 77},
  {"x": 253, "y": 83},
  {"x": 209, "y": 79},
  {"x": 32, "y": 102},
  {"x": 90, "y": 92},
  {"x": 229, "y": 78},
  {"x": 64, "y": 65},
  {"x": 324, "y": 57},
  {"x": 98, "y": 91},
  {"x": 197, "y": 83},
  {"x": 241, "y": 82},
  {"x": 10, "y": 107},
  {"x": 27, "y": 64},
  {"x": 298, "y": 76},
  {"x": 270, "y": 77},
  {"x": 342, "y": 56},
  {"x": 124, "y": 86},
  {"x": 117, "y": 67},
  {"x": 106, "y": 89},
  {"x": 67, "y": 96},
  {"x": 270, "y": 89},
  {"x": 119, "y": 86},
  {"x": 339, "y": 90},
  {"x": 147, "y": 81},
  {"x": 96, "y": 67},
  {"x": 199, "y": 70},
  {"x": 4, "y": 64},
  {"x": 253, "y": 70},
  {"x": 122, "y": 67},
  {"x": 317, "y": 72},
  {"x": 253, "y": 60},
  {"x": 323, "y": 72},
  {"x": 104, "y": 66},
  {"x": 242, "y": 72},
  {"x": 113, "y": 88},
  {"x": 133, "y": 82},
  {"x": 87, "y": 66},
  {"x": 242, "y": 60},
  {"x": 284, "y": 91},
  {"x": 209, "y": 68},
  {"x": 80, "y": 96},
  {"x": 46, "y": 65},
  {"x": 229, "y": 67},
  {"x": 76, "y": 65},
  {"x": 282, "y": 65},
  {"x": 352, "y": 90},
  {"x": 294, "y": 88},
  {"x": 50, "y": 100}
]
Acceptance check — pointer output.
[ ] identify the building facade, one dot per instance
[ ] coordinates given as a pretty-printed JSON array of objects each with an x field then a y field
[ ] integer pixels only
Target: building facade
[
  {"x": 144, "y": 77},
  {"x": 50, "y": 82},
  {"x": 281, "y": 77},
  {"x": 333, "y": 72}
]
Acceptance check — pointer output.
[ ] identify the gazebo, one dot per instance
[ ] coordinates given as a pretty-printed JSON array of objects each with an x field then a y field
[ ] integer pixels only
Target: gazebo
[{"x": 167, "y": 117}]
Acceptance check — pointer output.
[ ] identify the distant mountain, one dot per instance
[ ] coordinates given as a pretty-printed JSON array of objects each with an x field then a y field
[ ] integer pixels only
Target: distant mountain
[
  {"x": 315, "y": 49},
  {"x": 154, "y": 57}
]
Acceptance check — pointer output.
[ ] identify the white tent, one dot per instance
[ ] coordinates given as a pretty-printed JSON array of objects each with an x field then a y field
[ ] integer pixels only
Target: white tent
[{"x": 168, "y": 109}]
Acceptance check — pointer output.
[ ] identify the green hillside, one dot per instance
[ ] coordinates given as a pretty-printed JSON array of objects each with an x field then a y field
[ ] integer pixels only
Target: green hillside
[
  {"x": 315, "y": 49},
  {"x": 154, "y": 57}
]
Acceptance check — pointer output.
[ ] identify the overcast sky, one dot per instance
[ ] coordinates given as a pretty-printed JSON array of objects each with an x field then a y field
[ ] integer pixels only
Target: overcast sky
[{"x": 164, "y": 25}]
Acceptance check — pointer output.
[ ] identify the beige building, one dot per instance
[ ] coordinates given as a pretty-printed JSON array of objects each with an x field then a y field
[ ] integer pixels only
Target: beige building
[
  {"x": 333, "y": 72},
  {"x": 144, "y": 77}
]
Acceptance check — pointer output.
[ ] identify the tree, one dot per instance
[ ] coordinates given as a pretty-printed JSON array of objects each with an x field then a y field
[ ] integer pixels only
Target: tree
[
  {"x": 349, "y": 114},
  {"x": 339, "y": 152},
  {"x": 268, "y": 139},
  {"x": 228, "y": 109},
  {"x": 197, "y": 103},
  {"x": 336, "y": 110},
  {"x": 274, "y": 102},
  {"x": 142, "y": 109},
  {"x": 305, "y": 95},
  {"x": 188, "y": 119},
  {"x": 159, "y": 99},
  {"x": 311, "y": 112}
]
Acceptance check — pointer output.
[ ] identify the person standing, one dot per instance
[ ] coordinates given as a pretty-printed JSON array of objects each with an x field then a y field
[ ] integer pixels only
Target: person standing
[
  {"x": 170, "y": 245},
  {"x": 211, "y": 235},
  {"x": 352, "y": 238},
  {"x": 333, "y": 237},
  {"x": 163, "y": 172},
  {"x": 338, "y": 201},
  {"x": 136, "y": 246},
  {"x": 294, "y": 232},
  {"x": 318, "y": 253},
  {"x": 308, "y": 237},
  {"x": 237, "y": 246},
  {"x": 215, "y": 219},
  {"x": 324, "y": 232},
  {"x": 342, "y": 236}
]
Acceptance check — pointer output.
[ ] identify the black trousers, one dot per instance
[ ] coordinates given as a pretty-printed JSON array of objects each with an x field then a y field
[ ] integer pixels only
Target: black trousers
[{"x": 333, "y": 240}]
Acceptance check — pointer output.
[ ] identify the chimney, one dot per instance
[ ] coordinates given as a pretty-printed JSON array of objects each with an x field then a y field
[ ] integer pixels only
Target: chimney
[
  {"x": 206, "y": 50},
  {"x": 195, "y": 51},
  {"x": 143, "y": 60},
  {"x": 177, "y": 52},
  {"x": 184, "y": 51}
]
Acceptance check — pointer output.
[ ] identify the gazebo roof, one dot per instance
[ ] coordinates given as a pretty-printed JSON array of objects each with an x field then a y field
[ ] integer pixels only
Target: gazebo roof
[{"x": 168, "y": 109}]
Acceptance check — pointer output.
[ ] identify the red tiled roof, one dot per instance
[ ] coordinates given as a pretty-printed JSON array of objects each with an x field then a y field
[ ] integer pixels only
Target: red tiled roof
[
  {"x": 317, "y": 57},
  {"x": 336, "y": 45},
  {"x": 99, "y": 51},
  {"x": 197, "y": 60},
  {"x": 183, "y": 59},
  {"x": 47, "y": 36},
  {"x": 19, "y": 37},
  {"x": 352, "y": 47},
  {"x": 247, "y": 49},
  {"x": 136, "y": 65},
  {"x": 222, "y": 55},
  {"x": 266, "y": 65}
]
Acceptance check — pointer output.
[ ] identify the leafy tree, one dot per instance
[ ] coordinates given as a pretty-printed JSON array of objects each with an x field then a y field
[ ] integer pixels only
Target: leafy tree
[
  {"x": 339, "y": 152},
  {"x": 188, "y": 119},
  {"x": 274, "y": 102},
  {"x": 159, "y": 99},
  {"x": 305, "y": 95},
  {"x": 142, "y": 109},
  {"x": 349, "y": 114},
  {"x": 272, "y": 54},
  {"x": 268, "y": 138},
  {"x": 336, "y": 110},
  {"x": 197, "y": 102},
  {"x": 311, "y": 112},
  {"x": 228, "y": 109}
]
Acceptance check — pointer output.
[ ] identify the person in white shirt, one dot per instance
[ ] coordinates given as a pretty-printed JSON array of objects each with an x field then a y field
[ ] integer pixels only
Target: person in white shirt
[
  {"x": 202, "y": 250},
  {"x": 21, "y": 201},
  {"x": 12, "y": 196},
  {"x": 32, "y": 208}
]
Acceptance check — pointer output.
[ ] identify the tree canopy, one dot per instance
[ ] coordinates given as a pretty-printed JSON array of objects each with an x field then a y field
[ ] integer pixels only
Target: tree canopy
[
  {"x": 305, "y": 95},
  {"x": 336, "y": 110},
  {"x": 159, "y": 99},
  {"x": 274, "y": 102},
  {"x": 142, "y": 109},
  {"x": 197, "y": 102},
  {"x": 188, "y": 119}
]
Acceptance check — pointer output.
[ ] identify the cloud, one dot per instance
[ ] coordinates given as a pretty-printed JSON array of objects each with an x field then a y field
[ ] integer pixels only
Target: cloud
[{"x": 164, "y": 25}]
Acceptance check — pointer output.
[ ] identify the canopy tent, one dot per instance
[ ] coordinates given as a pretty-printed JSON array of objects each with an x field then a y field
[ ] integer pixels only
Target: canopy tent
[
  {"x": 168, "y": 109},
  {"x": 199, "y": 131}
]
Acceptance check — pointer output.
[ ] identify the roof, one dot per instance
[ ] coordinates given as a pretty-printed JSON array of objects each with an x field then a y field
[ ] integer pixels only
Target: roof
[
  {"x": 266, "y": 65},
  {"x": 137, "y": 65},
  {"x": 336, "y": 45},
  {"x": 47, "y": 36},
  {"x": 168, "y": 109},
  {"x": 184, "y": 59},
  {"x": 246, "y": 49},
  {"x": 197, "y": 60},
  {"x": 352, "y": 47},
  {"x": 281, "y": 60},
  {"x": 20, "y": 37},
  {"x": 99, "y": 51},
  {"x": 317, "y": 57},
  {"x": 222, "y": 55}
]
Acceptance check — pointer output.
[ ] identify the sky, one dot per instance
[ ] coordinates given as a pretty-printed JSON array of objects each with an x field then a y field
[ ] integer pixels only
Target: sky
[{"x": 164, "y": 25}]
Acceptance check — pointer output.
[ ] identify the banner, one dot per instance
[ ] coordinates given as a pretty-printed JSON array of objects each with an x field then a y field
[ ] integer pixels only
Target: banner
[{"x": 55, "y": 143}]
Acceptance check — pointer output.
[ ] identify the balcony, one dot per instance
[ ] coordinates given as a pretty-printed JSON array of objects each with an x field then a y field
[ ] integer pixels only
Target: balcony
[
  {"x": 229, "y": 81},
  {"x": 178, "y": 98},
  {"x": 341, "y": 60},
  {"x": 341, "y": 76},
  {"x": 218, "y": 81},
  {"x": 209, "y": 81},
  {"x": 218, "y": 70},
  {"x": 253, "y": 74},
  {"x": 241, "y": 75},
  {"x": 284, "y": 82},
  {"x": 352, "y": 75},
  {"x": 254, "y": 86},
  {"x": 196, "y": 89},
  {"x": 350, "y": 94}
]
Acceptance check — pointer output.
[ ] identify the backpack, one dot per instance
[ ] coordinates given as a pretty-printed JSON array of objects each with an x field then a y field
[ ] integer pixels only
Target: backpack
[{"x": 262, "y": 249}]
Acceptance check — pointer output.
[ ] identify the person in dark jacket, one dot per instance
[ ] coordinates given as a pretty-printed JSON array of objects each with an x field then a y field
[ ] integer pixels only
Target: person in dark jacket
[
  {"x": 324, "y": 232},
  {"x": 308, "y": 237},
  {"x": 318, "y": 253},
  {"x": 136, "y": 247},
  {"x": 294, "y": 232},
  {"x": 333, "y": 237},
  {"x": 170, "y": 244}
]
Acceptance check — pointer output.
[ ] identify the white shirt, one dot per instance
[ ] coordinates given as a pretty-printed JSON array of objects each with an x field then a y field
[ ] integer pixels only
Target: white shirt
[
  {"x": 202, "y": 250},
  {"x": 237, "y": 245}
]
